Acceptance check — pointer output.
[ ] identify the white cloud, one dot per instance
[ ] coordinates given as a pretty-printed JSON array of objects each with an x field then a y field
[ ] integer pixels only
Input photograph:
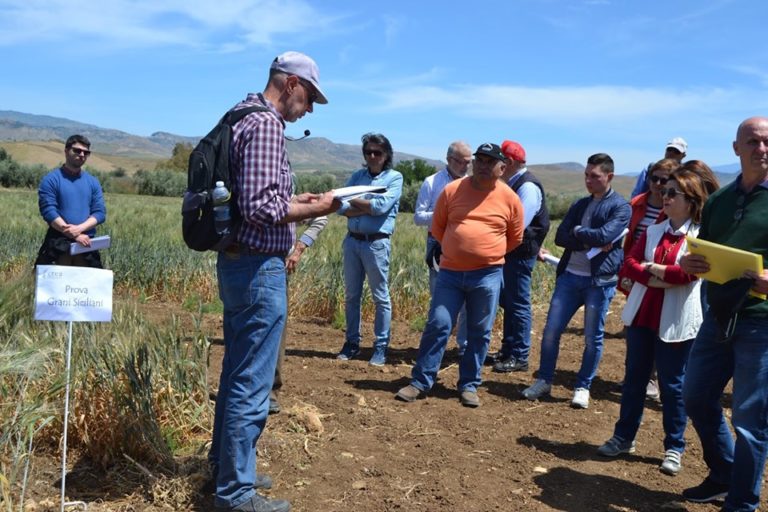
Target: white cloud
[
  {"x": 756, "y": 72},
  {"x": 222, "y": 25},
  {"x": 556, "y": 105}
]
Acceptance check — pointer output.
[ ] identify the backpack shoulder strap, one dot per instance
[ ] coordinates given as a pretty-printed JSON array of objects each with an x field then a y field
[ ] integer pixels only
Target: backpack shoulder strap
[{"x": 234, "y": 116}]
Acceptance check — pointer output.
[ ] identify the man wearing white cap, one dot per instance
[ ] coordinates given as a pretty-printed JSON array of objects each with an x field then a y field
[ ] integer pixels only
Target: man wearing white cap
[
  {"x": 251, "y": 275},
  {"x": 676, "y": 150}
]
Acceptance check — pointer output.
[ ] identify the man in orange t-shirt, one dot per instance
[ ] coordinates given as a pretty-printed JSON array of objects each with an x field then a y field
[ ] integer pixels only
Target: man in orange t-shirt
[{"x": 477, "y": 221}]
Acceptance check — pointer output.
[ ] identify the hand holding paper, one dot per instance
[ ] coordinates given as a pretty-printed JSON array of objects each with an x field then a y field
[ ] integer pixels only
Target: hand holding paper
[
  {"x": 597, "y": 250},
  {"x": 347, "y": 193}
]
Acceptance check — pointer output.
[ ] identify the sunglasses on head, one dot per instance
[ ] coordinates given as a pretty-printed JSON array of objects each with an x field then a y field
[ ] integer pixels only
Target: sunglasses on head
[
  {"x": 79, "y": 151},
  {"x": 373, "y": 152},
  {"x": 659, "y": 179},
  {"x": 671, "y": 193}
]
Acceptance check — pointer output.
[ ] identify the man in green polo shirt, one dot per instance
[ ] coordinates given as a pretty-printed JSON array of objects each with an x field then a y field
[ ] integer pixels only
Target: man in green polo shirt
[{"x": 736, "y": 216}]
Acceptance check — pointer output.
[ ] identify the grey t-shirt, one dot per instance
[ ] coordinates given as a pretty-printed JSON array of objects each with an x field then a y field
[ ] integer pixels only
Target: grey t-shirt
[{"x": 579, "y": 263}]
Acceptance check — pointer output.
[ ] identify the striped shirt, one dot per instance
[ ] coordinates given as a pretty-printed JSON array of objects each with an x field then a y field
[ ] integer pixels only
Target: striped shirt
[
  {"x": 262, "y": 178},
  {"x": 651, "y": 214}
]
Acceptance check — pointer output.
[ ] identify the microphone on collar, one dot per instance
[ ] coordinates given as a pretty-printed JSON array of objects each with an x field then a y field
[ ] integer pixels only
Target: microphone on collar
[{"x": 294, "y": 139}]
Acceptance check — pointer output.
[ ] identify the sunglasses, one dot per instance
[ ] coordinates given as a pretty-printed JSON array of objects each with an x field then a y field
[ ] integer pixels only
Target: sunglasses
[
  {"x": 739, "y": 213},
  {"x": 671, "y": 193},
  {"x": 79, "y": 151},
  {"x": 659, "y": 179},
  {"x": 373, "y": 152},
  {"x": 311, "y": 93}
]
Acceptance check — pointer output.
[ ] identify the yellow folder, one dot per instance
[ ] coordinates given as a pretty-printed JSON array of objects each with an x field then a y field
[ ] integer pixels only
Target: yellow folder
[{"x": 725, "y": 263}]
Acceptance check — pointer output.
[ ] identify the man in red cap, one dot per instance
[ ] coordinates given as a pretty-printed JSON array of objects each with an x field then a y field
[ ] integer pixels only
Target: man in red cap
[{"x": 518, "y": 264}]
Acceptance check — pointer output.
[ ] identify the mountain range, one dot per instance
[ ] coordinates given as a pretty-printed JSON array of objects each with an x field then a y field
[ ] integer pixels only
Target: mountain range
[{"x": 37, "y": 139}]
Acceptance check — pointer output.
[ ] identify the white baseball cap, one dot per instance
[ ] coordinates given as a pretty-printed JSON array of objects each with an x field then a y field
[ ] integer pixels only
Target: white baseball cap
[
  {"x": 679, "y": 144},
  {"x": 296, "y": 63}
]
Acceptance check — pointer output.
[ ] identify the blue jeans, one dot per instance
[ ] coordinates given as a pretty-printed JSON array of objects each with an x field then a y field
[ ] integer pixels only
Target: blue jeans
[
  {"x": 367, "y": 259},
  {"x": 461, "y": 327},
  {"x": 644, "y": 348},
  {"x": 252, "y": 288},
  {"x": 572, "y": 292},
  {"x": 710, "y": 366},
  {"x": 479, "y": 290},
  {"x": 516, "y": 299}
]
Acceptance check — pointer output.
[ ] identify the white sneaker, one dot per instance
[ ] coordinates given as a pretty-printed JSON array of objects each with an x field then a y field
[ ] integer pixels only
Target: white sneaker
[
  {"x": 537, "y": 390},
  {"x": 580, "y": 398}
]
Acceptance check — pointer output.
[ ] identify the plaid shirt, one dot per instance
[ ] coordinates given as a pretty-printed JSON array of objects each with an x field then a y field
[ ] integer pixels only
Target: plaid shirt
[{"x": 262, "y": 178}]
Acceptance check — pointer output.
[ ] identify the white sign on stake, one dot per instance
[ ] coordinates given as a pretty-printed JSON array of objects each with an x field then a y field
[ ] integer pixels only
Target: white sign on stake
[{"x": 75, "y": 294}]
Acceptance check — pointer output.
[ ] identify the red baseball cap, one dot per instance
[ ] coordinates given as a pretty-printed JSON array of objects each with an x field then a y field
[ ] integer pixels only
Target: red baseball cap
[{"x": 513, "y": 151}]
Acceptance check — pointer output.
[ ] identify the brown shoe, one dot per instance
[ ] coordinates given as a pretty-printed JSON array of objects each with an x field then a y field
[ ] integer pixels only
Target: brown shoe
[
  {"x": 469, "y": 398},
  {"x": 409, "y": 393}
]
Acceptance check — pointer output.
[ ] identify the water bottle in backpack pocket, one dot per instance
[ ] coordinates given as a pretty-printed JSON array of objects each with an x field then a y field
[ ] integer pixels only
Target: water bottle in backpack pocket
[{"x": 222, "y": 214}]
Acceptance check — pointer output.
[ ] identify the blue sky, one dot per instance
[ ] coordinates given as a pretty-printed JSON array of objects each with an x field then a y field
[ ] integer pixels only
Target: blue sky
[{"x": 566, "y": 78}]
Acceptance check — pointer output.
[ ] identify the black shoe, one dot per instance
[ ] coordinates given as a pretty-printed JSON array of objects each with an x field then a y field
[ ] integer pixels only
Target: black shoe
[
  {"x": 510, "y": 364},
  {"x": 274, "y": 405},
  {"x": 492, "y": 358},
  {"x": 706, "y": 491}
]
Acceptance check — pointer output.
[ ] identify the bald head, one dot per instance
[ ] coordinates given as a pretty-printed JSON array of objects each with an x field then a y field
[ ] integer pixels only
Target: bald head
[{"x": 751, "y": 146}]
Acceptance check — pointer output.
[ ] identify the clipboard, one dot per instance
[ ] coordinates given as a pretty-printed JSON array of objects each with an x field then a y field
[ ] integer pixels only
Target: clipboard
[{"x": 725, "y": 262}]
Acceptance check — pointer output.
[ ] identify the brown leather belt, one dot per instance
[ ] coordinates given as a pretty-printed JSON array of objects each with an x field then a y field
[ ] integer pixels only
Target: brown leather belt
[{"x": 368, "y": 238}]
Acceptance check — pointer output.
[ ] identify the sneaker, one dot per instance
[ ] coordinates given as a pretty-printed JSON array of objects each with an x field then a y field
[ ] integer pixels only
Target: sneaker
[
  {"x": 469, "y": 398},
  {"x": 379, "y": 356},
  {"x": 537, "y": 390},
  {"x": 706, "y": 491},
  {"x": 274, "y": 405},
  {"x": 652, "y": 391},
  {"x": 409, "y": 393},
  {"x": 510, "y": 364},
  {"x": 348, "y": 351},
  {"x": 262, "y": 482},
  {"x": 671, "y": 463},
  {"x": 615, "y": 447},
  {"x": 259, "y": 503},
  {"x": 580, "y": 398}
]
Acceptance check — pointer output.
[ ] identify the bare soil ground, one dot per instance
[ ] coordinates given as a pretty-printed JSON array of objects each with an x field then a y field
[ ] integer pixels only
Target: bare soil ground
[{"x": 343, "y": 443}]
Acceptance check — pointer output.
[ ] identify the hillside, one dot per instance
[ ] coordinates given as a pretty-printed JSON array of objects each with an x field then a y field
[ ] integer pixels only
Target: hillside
[
  {"x": 118, "y": 148},
  {"x": 38, "y": 139}
]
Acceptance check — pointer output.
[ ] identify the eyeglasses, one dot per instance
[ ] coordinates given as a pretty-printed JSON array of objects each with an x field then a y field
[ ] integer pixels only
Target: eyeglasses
[
  {"x": 659, "y": 179},
  {"x": 373, "y": 152},
  {"x": 459, "y": 161},
  {"x": 79, "y": 151},
  {"x": 671, "y": 193}
]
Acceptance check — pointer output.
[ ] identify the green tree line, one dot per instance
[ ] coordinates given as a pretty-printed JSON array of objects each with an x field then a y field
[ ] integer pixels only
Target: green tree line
[{"x": 169, "y": 179}]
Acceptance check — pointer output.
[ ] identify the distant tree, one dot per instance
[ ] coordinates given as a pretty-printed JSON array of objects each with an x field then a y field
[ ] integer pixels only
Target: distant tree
[
  {"x": 414, "y": 171},
  {"x": 314, "y": 183},
  {"x": 408, "y": 197},
  {"x": 179, "y": 158}
]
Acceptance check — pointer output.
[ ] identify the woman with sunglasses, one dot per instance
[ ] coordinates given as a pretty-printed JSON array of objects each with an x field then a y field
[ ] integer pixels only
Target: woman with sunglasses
[
  {"x": 662, "y": 315},
  {"x": 646, "y": 210}
]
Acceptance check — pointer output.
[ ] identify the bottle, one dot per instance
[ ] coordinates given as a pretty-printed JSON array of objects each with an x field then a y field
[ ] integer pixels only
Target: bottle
[{"x": 221, "y": 211}]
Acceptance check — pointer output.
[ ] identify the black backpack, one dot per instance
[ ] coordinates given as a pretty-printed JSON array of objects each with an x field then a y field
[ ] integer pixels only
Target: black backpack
[{"x": 209, "y": 163}]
